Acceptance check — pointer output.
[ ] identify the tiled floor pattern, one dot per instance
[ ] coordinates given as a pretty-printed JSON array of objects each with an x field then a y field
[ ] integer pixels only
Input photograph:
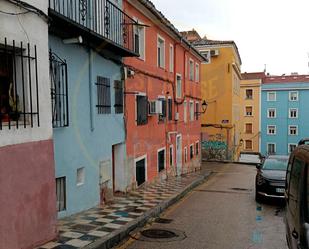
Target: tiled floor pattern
[{"x": 85, "y": 228}]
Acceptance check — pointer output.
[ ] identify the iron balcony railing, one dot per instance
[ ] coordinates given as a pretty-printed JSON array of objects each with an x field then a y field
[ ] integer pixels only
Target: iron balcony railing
[{"x": 99, "y": 16}]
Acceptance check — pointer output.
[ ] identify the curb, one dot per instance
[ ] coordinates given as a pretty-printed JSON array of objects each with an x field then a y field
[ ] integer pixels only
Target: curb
[
  {"x": 226, "y": 161},
  {"x": 117, "y": 236}
]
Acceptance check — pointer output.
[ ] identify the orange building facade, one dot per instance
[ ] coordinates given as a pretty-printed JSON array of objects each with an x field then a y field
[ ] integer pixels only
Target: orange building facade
[{"x": 162, "y": 99}]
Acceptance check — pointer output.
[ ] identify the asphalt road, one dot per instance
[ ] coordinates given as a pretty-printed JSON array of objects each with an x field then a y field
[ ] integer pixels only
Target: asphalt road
[{"x": 219, "y": 214}]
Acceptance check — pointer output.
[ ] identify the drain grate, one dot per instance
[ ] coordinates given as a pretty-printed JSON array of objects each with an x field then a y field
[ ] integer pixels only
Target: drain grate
[
  {"x": 163, "y": 220},
  {"x": 158, "y": 234}
]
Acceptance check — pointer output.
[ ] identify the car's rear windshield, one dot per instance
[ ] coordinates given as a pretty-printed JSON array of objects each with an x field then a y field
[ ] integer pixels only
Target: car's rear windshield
[{"x": 275, "y": 164}]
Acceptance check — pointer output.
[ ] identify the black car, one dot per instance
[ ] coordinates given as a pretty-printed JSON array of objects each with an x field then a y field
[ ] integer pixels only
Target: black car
[
  {"x": 297, "y": 198},
  {"x": 270, "y": 178}
]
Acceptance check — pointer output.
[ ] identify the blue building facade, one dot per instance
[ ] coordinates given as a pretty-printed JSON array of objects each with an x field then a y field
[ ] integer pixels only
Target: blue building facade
[
  {"x": 87, "y": 92},
  {"x": 284, "y": 113}
]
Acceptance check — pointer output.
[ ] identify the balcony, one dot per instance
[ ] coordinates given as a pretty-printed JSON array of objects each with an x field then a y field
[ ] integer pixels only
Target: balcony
[{"x": 101, "y": 24}]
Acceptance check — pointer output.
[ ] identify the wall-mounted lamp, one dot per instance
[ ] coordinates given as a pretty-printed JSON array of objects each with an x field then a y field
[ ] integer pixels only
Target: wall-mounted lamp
[
  {"x": 204, "y": 108},
  {"x": 241, "y": 142},
  {"x": 78, "y": 40}
]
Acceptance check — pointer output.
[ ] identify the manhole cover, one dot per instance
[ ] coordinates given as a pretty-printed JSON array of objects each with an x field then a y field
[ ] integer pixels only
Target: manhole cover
[
  {"x": 158, "y": 234},
  {"x": 163, "y": 221}
]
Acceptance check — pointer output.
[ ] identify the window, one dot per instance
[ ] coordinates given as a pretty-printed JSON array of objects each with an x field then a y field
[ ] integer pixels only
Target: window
[
  {"x": 139, "y": 40},
  {"x": 191, "y": 111},
  {"x": 161, "y": 52},
  {"x": 271, "y": 113},
  {"x": 191, "y": 151},
  {"x": 171, "y": 155},
  {"x": 197, "y": 148},
  {"x": 161, "y": 160},
  {"x": 293, "y": 113},
  {"x": 178, "y": 86},
  {"x": 293, "y": 96},
  {"x": 271, "y": 149},
  {"x": 292, "y": 147},
  {"x": 141, "y": 108},
  {"x": 104, "y": 95},
  {"x": 61, "y": 193},
  {"x": 59, "y": 90},
  {"x": 197, "y": 72},
  {"x": 118, "y": 85},
  {"x": 162, "y": 115},
  {"x": 206, "y": 54},
  {"x": 249, "y": 94},
  {"x": 248, "y": 144},
  {"x": 249, "y": 128},
  {"x": 80, "y": 176},
  {"x": 197, "y": 109},
  {"x": 249, "y": 110},
  {"x": 186, "y": 154},
  {"x": 170, "y": 109},
  {"x": 171, "y": 58},
  {"x": 185, "y": 110},
  {"x": 271, "y": 96},
  {"x": 293, "y": 130},
  {"x": 271, "y": 130},
  {"x": 19, "y": 94},
  {"x": 191, "y": 70}
]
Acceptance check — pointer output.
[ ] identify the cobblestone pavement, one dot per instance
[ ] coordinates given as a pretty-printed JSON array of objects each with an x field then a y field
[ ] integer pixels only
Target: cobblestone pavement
[{"x": 87, "y": 227}]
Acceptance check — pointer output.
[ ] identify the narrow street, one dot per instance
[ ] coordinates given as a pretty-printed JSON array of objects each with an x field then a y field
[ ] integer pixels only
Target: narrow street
[{"x": 219, "y": 214}]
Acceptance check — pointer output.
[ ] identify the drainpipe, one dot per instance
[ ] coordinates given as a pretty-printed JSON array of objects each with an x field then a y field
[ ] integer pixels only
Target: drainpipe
[{"x": 90, "y": 89}]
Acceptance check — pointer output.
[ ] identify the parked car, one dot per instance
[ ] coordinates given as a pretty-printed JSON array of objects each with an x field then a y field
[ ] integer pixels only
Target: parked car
[
  {"x": 270, "y": 178},
  {"x": 297, "y": 198}
]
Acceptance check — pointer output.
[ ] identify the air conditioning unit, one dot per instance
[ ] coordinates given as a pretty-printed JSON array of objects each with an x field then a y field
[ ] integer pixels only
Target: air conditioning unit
[
  {"x": 155, "y": 107},
  {"x": 176, "y": 116},
  {"x": 214, "y": 52}
]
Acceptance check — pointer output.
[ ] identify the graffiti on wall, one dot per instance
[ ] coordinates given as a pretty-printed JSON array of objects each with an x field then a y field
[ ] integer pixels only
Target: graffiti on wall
[{"x": 214, "y": 150}]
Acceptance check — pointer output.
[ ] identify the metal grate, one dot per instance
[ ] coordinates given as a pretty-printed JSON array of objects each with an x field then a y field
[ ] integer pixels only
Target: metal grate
[
  {"x": 19, "y": 95},
  {"x": 104, "y": 95},
  {"x": 59, "y": 90}
]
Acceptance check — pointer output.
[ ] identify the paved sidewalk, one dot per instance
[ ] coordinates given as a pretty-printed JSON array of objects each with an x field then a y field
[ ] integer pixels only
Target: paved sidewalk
[{"x": 103, "y": 227}]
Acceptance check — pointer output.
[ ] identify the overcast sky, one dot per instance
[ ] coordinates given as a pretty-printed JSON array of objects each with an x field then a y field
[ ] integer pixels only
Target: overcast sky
[{"x": 271, "y": 32}]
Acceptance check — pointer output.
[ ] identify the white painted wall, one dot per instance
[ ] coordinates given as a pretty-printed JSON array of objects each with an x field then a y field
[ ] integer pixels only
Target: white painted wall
[{"x": 30, "y": 28}]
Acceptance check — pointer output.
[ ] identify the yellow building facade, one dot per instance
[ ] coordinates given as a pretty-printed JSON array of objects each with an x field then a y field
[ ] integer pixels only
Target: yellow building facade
[
  {"x": 250, "y": 101},
  {"x": 220, "y": 79}
]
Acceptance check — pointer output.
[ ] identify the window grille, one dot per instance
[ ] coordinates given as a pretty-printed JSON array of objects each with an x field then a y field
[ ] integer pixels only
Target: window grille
[
  {"x": 104, "y": 95},
  {"x": 59, "y": 90},
  {"x": 61, "y": 193},
  {"x": 142, "y": 107},
  {"x": 19, "y": 95},
  {"x": 118, "y": 85}
]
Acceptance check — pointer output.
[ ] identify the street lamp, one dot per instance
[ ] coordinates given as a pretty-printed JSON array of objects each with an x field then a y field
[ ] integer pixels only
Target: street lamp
[{"x": 204, "y": 108}]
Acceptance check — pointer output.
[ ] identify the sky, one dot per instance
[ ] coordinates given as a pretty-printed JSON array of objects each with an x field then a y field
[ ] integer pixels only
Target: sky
[{"x": 267, "y": 32}]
